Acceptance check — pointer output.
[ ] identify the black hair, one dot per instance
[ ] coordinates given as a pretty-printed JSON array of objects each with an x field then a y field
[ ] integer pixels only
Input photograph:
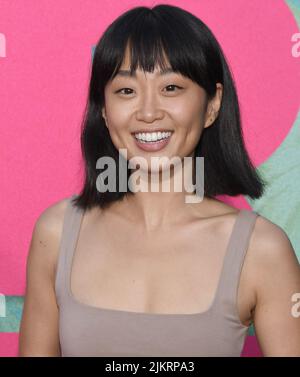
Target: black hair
[{"x": 194, "y": 52}]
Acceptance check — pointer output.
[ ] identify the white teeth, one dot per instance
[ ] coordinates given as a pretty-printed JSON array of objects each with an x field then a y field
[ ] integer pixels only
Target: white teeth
[{"x": 152, "y": 136}]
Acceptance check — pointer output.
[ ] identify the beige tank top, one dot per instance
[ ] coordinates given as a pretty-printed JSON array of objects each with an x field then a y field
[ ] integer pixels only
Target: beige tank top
[{"x": 92, "y": 331}]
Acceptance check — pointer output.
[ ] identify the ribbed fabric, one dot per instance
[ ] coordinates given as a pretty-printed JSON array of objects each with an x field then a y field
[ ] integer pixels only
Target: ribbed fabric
[{"x": 92, "y": 331}]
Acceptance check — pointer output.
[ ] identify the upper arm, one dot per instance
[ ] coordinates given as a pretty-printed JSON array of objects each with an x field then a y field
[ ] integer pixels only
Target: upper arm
[
  {"x": 277, "y": 277},
  {"x": 38, "y": 335}
]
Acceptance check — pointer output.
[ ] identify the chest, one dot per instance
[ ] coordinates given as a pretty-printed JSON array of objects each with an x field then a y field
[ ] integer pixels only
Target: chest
[{"x": 175, "y": 271}]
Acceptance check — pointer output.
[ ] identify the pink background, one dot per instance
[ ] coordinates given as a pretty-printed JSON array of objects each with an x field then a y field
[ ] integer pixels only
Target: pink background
[{"x": 44, "y": 79}]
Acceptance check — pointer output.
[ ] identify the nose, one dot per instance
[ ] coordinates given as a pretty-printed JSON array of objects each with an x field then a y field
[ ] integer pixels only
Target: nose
[{"x": 149, "y": 108}]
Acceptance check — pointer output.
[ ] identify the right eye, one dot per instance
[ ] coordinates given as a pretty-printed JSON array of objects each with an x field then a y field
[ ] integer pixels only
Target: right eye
[{"x": 120, "y": 90}]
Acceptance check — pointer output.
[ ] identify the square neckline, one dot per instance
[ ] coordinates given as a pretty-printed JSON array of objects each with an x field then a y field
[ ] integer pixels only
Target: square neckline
[{"x": 80, "y": 212}]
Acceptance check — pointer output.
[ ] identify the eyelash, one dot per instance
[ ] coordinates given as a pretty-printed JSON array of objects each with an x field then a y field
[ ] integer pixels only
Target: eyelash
[{"x": 179, "y": 87}]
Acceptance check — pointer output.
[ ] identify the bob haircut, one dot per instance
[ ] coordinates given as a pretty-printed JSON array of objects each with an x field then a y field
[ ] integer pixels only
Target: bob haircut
[{"x": 193, "y": 51}]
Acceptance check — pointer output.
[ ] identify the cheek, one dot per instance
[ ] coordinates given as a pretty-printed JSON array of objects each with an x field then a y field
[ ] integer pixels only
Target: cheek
[
  {"x": 117, "y": 116},
  {"x": 189, "y": 113},
  {"x": 114, "y": 112},
  {"x": 190, "y": 121}
]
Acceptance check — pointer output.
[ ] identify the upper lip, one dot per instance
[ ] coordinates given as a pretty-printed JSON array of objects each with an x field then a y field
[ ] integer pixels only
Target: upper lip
[{"x": 151, "y": 130}]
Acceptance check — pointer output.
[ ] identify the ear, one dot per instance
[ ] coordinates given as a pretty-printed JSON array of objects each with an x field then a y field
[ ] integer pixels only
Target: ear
[
  {"x": 214, "y": 106},
  {"x": 104, "y": 114}
]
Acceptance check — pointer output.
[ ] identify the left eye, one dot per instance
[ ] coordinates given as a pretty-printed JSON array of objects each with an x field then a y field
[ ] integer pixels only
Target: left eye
[{"x": 173, "y": 86}]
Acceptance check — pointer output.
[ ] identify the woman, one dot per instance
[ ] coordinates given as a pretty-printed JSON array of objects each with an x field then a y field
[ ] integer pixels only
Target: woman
[{"x": 149, "y": 273}]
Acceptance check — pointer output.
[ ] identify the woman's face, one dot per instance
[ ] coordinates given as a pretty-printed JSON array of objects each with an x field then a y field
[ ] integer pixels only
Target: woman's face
[{"x": 143, "y": 105}]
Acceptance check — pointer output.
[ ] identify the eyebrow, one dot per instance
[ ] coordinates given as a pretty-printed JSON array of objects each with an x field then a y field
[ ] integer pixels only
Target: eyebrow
[{"x": 127, "y": 73}]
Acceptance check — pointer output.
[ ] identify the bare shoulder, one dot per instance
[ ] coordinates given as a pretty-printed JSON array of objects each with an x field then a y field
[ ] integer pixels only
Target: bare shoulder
[
  {"x": 270, "y": 263},
  {"x": 52, "y": 217},
  {"x": 270, "y": 243},
  {"x": 38, "y": 335},
  {"x": 47, "y": 233},
  {"x": 275, "y": 278},
  {"x": 271, "y": 259}
]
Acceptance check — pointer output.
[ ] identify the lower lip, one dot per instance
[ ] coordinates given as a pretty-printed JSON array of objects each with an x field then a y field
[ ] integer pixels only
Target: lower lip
[{"x": 154, "y": 146}]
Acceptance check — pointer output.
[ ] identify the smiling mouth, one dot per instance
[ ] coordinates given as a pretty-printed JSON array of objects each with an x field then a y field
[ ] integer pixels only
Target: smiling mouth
[
  {"x": 152, "y": 137},
  {"x": 152, "y": 141}
]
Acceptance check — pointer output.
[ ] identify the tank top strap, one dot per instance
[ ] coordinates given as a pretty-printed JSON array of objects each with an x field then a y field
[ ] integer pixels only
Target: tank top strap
[
  {"x": 70, "y": 232},
  {"x": 226, "y": 300}
]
